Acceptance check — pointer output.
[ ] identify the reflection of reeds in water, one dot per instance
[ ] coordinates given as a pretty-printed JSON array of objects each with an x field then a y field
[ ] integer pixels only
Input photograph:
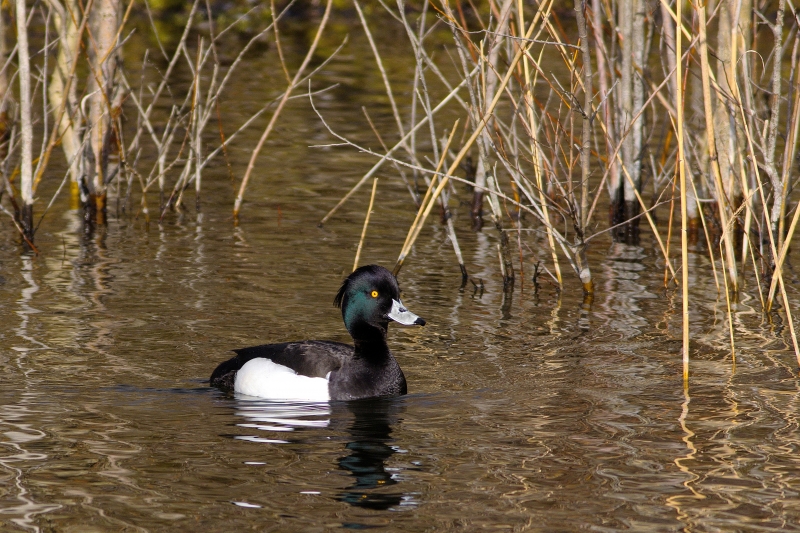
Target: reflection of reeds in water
[
  {"x": 32, "y": 420},
  {"x": 20, "y": 436}
]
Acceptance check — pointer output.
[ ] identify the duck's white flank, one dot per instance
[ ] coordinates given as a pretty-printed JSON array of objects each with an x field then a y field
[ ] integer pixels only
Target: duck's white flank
[{"x": 265, "y": 379}]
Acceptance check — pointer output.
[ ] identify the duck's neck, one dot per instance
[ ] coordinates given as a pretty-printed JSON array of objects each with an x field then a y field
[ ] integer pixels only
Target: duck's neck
[{"x": 370, "y": 342}]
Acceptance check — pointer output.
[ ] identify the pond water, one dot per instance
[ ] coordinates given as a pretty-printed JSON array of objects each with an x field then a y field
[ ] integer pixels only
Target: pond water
[{"x": 526, "y": 411}]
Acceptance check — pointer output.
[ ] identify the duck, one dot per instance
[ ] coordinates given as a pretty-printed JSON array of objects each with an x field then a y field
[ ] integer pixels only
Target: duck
[{"x": 320, "y": 370}]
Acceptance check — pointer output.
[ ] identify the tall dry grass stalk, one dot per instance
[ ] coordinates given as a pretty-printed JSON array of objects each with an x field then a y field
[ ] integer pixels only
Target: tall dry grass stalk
[
  {"x": 366, "y": 223},
  {"x": 298, "y": 79},
  {"x": 683, "y": 190},
  {"x": 26, "y": 122}
]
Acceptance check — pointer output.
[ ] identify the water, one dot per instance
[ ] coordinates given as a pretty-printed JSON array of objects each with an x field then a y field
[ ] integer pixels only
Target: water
[{"x": 531, "y": 411}]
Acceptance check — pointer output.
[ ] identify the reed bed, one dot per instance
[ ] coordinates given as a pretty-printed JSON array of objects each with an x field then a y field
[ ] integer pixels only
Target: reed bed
[
  {"x": 548, "y": 113},
  {"x": 650, "y": 106}
]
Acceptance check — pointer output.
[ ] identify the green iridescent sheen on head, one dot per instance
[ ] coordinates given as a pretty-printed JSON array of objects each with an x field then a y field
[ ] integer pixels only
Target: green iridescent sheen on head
[{"x": 356, "y": 300}]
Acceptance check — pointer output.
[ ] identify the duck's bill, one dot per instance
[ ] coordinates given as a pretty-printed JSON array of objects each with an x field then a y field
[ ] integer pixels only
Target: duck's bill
[{"x": 401, "y": 315}]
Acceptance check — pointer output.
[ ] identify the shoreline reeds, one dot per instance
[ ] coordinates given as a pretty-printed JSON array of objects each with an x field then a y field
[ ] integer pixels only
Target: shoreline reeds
[
  {"x": 561, "y": 113},
  {"x": 522, "y": 123}
]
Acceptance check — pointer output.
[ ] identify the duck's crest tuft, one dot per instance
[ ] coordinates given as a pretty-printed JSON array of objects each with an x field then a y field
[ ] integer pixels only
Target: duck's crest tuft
[{"x": 338, "y": 300}]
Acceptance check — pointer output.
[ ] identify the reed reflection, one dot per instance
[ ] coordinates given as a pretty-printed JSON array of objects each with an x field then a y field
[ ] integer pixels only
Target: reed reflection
[
  {"x": 20, "y": 449},
  {"x": 369, "y": 449},
  {"x": 625, "y": 290}
]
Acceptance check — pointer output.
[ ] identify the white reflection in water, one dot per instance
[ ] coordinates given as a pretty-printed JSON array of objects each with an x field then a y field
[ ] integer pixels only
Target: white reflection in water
[
  {"x": 245, "y": 504},
  {"x": 281, "y": 417}
]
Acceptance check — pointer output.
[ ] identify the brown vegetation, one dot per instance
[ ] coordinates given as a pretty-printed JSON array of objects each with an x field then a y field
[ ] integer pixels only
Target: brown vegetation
[{"x": 624, "y": 104}]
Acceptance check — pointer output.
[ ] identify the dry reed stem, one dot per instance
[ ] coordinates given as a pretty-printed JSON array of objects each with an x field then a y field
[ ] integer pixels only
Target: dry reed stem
[
  {"x": 478, "y": 130},
  {"x": 191, "y": 135},
  {"x": 783, "y": 242},
  {"x": 711, "y": 257},
  {"x": 782, "y": 257},
  {"x": 790, "y": 320},
  {"x": 443, "y": 198},
  {"x": 627, "y": 175},
  {"x": 724, "y": 201},
  {"x": 502, "y": 262},
  {"x": 779, "y": 275},
  {"x": 412, "y": 192},
  {"x": 587, "y": 112},
  {"x": 101, "y": 107},
  {"x": 775, "y": 97},
  {"x": 419, "y": 79},
  {"x": 26, "y": 121},
  {"x": 684, "y": 216},
  {"x": 54, "y": 197},
  {"x": 397, "y": 145},
  {"x": 293, "y": 85},
  {"x": 489, "y": 86},
  {"x": 646, "y": 211},
  {"x": 669, "y": 222},
  {"x": 535, "y": 154},
  {"x": 19, "y": 229},
  {"x": 165, "y": 78},
  {"x": 144, "y": 115},
  {"x": 277, "y": 41},
  {"x": 676, "y": 18},
  {"x": 382, "y": 70},
  {"x": 726, "y": 231},
  {"x": 490, "y": 108},
  {"x": 585, "y": 150},
  {"x": 528, "y": 209},
  {"x": 730, "y": 313},
  {"x": 416, "y": 226},
  {"x": 791, "y": 152},
  {"x": 366, "y": 223},
  {"x": 62, "y": 90},
  {"x": 749, "y": 217}
]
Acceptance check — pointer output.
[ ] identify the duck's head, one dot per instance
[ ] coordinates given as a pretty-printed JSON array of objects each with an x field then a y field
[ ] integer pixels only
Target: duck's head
[{"x": 370, "y": 296}]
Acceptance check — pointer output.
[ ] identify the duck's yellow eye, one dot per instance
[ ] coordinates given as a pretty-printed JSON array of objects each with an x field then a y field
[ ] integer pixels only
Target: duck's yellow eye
[{"x": 374, "y": 294}]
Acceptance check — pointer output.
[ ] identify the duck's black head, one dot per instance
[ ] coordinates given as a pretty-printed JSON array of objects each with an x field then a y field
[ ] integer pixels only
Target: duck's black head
[{"x": 370, "y": 298}]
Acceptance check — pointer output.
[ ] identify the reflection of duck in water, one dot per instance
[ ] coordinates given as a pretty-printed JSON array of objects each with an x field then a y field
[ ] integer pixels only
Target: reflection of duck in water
[
  {"x": 369, "y": 423},
  {"x": 371, "y": 431},
  {"x": 323, "y": 370}
]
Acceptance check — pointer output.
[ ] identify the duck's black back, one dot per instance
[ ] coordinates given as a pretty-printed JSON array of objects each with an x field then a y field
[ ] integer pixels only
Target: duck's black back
[{"x": 308, "y": 358}]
